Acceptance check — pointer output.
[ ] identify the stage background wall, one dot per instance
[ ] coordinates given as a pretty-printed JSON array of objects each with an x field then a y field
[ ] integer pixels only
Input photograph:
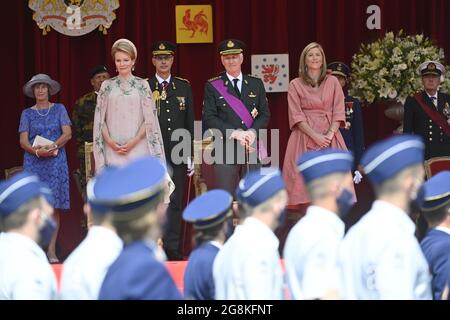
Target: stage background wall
[{"x": 267, "y": 26}]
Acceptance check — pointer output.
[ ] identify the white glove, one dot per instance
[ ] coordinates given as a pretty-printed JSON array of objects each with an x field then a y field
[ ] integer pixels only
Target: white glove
[
  {"x": 358, "y": 177},
  {"x": 190, "y": 167}
]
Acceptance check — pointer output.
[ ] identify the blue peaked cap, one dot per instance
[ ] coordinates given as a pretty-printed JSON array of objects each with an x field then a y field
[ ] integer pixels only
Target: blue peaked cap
[
  {"x": 316, "y": 164},
  {"x": 259, "y": 185},
  {"x": 385, "y": 159},
  {"x": 209, "y": 209}
]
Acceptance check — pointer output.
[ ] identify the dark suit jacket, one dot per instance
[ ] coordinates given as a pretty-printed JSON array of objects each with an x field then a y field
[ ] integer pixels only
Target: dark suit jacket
[
  {"x": 176, "y": 111},
  {"x": 415, "y": 120},
  {"x": 436, "y": 248},
  {"x": 217, "y": 114},
  {"x": 354, "y": 136}
]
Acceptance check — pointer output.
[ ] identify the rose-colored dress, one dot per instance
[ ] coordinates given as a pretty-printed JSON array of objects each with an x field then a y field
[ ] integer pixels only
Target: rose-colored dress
[{"x": 319, "y": 107}]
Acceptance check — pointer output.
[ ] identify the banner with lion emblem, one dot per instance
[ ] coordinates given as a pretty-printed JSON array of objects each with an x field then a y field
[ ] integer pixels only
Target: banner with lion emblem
[
  {"x": 194, "y": 24},
  {"x": 73, "y": 17},
  {"x": 273, "y": 70}
]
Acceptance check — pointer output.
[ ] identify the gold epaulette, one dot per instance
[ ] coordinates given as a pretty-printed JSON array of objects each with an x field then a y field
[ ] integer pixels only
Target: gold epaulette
[
  {"x": 252, "y": 76},
  {"x": 215, "y": 78},
  {"x": 182, "y": 79}
]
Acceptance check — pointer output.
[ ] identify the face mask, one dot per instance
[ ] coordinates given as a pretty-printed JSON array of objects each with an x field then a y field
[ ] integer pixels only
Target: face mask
[
  {"x": 344, "y": 202},
  {"x": 46, "y": 231}
]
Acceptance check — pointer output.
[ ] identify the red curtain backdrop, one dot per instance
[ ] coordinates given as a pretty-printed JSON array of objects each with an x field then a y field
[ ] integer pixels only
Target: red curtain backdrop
[{"x": 266, "y": 26}]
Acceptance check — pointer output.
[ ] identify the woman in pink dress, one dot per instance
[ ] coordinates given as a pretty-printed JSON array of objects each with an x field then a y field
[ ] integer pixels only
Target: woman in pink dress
[
  {"x": 126, "y": 125},
  {"x": 316, "y": 111}
]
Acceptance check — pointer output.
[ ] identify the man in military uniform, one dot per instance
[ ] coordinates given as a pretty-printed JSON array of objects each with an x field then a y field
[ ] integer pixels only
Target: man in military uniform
[
  {"x": 83, "y": 119},
  {"x": 175, "y": 106},
  {"x": 234, "y": 109},
  {"x": 434, "y": 202},
  {"x": 353, "y": 133},
  {"x": 427, "y": 113}
]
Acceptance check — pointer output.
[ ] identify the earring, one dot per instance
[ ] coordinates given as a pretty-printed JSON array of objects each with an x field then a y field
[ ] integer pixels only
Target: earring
[{"x": 132, "y": 69}]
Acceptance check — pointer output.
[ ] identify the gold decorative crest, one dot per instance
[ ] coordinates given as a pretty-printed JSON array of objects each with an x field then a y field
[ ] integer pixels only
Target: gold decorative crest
[
  {"x": 431, "y": 66},
  {"x": 162, "y": 46},
  {"x": 230, "y": 44},
  {"x": 73, "y": 17}
]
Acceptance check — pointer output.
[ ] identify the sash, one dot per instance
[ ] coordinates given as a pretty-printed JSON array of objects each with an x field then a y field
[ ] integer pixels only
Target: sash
[
  {"x": 241, "y": 110},
  {"x": 433, "y": 114}
]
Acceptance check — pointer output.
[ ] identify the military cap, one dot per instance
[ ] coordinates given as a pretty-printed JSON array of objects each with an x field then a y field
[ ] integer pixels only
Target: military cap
[
  {"x": 339, "y": 69},
  {"x": 163, "y": 47},
  {"x": 431, "y": 67},
  {"x": 121, "y": 189},
  {"x": 259, "y": 185},
  {"x": 317, "y": 164},
  {"x": 385, "y": 159},
  {"x": 231, "y": 46},
  {"x": 98, "y": 69},
  {"x": 209, "y": 209},
  {"x": 435, "y": 192},
  {"x": 19, "y": 189}
]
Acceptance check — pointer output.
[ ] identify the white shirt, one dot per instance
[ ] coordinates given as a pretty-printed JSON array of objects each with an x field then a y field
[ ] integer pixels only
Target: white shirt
[
  {"x": 161, "y": 80},
  {"x": 435, "y": 101},
  {"x": 239, "y": 83},
  {"x": 248, "y": 265},
  {"x": 380, "y": 257},
  {"x": 85, "y": 269},
  {"x": 310, "y": 254},
  {"x": 25, "y": 273}
]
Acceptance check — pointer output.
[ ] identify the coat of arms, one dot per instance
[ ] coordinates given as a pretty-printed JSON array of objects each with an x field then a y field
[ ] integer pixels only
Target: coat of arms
[{"x": 73, "y": 17}]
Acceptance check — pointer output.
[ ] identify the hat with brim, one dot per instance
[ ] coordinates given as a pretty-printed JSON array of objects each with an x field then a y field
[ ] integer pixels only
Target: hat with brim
[
  {"x": 231, "y": 46},
  {"x": 431, "y": 68},
  {"x": 53, "y": 86}
]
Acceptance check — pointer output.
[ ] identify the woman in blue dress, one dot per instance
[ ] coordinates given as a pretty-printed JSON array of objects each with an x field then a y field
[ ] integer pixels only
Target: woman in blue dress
[{"x": 47, "y": 159}]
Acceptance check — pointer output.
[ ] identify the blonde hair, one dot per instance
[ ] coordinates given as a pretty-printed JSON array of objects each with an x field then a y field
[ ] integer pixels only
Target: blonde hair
[
  {"x": 302, "y": 68},
  {"x": 125, "y": 46}
]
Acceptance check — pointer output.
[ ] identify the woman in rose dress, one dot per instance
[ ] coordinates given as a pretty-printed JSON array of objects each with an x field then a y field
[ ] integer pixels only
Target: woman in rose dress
[
  {"x": 316, "y": 111},
  {"x": 126, "y": 124}
]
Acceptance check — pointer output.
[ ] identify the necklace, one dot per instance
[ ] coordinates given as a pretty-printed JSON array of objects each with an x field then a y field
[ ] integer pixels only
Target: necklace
[{"x": 41, "y": 114}]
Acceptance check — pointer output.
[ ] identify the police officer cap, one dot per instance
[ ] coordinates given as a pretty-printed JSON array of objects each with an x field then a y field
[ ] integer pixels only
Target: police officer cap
[
  {"x": 339, "y": 69},
  {"x": 121, "y": 189},
  {"x": 231, "y": 46},
  {"x": 435, "y": 192},
  {"x": 431, "y": 67},
  {"x": 317, "y": 164},
  {"x": 19, "y": 189},
  {"x": 209, "y": 209},
  {"x": 163, "y": 47},
  {"x": 259, "y": 185},
  {"x": 385, "y": 159},
  {"x": 98, "y": 69}
]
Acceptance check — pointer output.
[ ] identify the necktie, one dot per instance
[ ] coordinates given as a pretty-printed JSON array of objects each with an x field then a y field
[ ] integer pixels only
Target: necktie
[
  {"x": 434, "y": 101},
  {"x": 164, "y": 84},
  {"x": 235, "y": 81}
]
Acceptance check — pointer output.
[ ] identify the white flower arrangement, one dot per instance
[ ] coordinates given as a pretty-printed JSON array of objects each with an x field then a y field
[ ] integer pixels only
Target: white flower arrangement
[{"x": 388, "y": 68}]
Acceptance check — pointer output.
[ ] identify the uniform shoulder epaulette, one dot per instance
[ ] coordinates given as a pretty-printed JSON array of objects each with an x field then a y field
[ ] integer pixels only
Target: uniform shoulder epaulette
[
  {"x": 252, "y": 76},
  {"x": 214, "y": 78},
  {"x": 182, "y": 79}
]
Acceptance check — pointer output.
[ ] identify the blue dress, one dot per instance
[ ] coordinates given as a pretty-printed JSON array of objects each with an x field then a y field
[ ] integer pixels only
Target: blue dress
[{"x": 51, "y": 170}]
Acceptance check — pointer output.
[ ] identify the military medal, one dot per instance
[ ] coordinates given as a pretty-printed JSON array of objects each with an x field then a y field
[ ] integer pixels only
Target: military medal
[
  {"x": 254, "y": 113},
  {"x": 182, "y": 103},
  {"x": 163, "y": 94},
  {"x": 446, "y": 112},
  {"x": 348, "y": 114}
]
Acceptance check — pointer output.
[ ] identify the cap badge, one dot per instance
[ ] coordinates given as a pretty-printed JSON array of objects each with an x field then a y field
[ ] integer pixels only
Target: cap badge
[
  {"x": 230, "y": 44},
  {"x": 162, "y": 46},
  {"x": 431, "y": 66}
]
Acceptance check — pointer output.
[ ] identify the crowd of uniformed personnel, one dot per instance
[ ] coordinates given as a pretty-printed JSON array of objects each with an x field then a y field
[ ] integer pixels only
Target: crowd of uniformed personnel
[{"x": 121, "y": 259}]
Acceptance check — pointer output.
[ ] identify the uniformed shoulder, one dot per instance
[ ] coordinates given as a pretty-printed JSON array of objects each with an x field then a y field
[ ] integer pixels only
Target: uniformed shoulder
[
  {"x": 214, "y": 78},
  {"x": 253, "y": 77},
  {"x": 182, "y": 79},
  {"x": 87, "y": 97}
]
